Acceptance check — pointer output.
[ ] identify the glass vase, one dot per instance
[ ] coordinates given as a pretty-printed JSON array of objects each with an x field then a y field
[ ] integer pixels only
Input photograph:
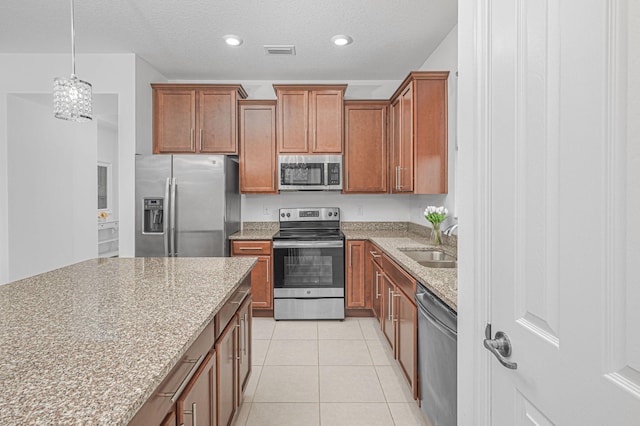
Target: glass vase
[{"x": 436, "y": 235}]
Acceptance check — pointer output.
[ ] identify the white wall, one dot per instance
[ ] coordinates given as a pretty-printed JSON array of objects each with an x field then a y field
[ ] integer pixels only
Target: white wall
[
  {"x": 354, "y": 208},
  {"x": 33, "y": 74},
  {"x": 51, "y": 175},
  {"x": 444, "y": 58},
  {"x": 145, "y": 75}
]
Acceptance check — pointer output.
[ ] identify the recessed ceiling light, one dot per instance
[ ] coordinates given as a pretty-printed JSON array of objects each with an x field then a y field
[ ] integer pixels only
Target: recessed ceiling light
[
  {"x": 232, "y": 40},
  {"x": 341, "y": 40}
]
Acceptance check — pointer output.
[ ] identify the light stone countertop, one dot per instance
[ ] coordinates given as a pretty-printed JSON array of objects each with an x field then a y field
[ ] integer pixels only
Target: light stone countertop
[
  {"x": 89, "y": 343},
  {"x": 443, "y": 282},
  {"x": 253, "y": 234}
]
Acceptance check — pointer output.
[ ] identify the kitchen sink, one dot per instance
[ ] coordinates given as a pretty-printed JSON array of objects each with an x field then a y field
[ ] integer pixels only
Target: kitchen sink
[{"x": 431, "y": 258}]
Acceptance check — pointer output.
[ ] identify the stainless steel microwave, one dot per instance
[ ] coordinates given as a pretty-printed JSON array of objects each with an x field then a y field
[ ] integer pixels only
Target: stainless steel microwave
[{"x": 310, "y": 172}]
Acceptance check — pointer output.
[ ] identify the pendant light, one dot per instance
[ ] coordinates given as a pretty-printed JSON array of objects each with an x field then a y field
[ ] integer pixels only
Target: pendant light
[{"x": 72, "y": 96}]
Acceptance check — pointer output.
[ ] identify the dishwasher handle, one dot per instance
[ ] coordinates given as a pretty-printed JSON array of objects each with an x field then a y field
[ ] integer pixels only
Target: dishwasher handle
[
  {"x": 437, "y": 323},
  {"x": 436, "y": 310}
]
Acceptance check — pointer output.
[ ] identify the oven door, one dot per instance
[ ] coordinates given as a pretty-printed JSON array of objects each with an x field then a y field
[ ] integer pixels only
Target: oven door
[{"x": 308, "y": 269}]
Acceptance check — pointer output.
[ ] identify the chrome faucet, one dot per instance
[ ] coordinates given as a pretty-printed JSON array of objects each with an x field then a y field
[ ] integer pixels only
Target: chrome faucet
[{"x": 450, "y": 229}]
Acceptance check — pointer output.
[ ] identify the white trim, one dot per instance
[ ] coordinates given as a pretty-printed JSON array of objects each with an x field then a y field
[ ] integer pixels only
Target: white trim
[{"x": 474, "y": 384}]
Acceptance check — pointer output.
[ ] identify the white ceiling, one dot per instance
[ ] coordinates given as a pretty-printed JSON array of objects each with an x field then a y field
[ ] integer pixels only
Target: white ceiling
[{"x": 183, "y": 38}]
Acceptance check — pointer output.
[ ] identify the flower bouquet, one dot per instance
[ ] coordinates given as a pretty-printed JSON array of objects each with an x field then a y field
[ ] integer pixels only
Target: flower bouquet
[{"x": 436, "y": 215}]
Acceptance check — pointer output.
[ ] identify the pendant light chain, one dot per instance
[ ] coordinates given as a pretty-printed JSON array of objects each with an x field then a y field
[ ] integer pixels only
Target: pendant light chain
[{"x": 73, "y": 44}]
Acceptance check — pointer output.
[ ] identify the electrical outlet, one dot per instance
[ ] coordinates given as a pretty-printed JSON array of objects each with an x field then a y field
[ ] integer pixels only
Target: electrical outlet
[{"x": 266, "y": 211}]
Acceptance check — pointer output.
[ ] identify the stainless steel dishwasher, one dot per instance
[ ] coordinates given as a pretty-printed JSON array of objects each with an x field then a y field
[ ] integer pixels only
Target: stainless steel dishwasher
[{"x": 437, "y": 358}]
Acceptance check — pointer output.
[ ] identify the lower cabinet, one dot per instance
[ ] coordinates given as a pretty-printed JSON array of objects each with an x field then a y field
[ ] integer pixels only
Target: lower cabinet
[
  {"x": 357, "y": 295},
  {"x": 262, "y": 274},
  {"x": 373, "y": 277},
  {"x": 234, "y": 363},
  {"x": 392, "y": 302},
  {"x": 227, "y": 372}
]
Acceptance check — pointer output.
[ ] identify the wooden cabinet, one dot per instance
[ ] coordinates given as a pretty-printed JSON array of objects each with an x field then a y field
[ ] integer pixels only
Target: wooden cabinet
[
  {"x": 400, "y": 324},
  {"x": 419, "y": 146},
  {"x": 227, "y": 373},
  {"x": 357, "y": 295},
  {"x": 193, "y": 118},
  {"x": 257, "y": 135},
  {"x": 388, "y": 314},
  {"x": 310, "y": 119},
  {"x": 365, "y": 147},
  {"x": 234, "y": 363},
  {"x": 262, "y": 274},
  {"x": 373, "y": 277},
  {"x": 196, "y": 405},
  {"x": 244, "y": 345}
]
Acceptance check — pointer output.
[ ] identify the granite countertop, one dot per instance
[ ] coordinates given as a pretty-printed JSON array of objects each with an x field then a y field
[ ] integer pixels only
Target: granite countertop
[
  {"x": 90, "y": 342},
  {"x": 253, "y": 234},
  {"x": 443, "y": 282}
]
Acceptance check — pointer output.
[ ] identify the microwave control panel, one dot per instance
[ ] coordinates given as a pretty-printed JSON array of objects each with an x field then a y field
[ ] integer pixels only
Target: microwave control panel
[{"x": 334, "y": 174}]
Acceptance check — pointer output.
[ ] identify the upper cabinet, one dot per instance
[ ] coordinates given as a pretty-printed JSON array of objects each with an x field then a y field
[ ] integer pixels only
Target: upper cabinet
[
  {"x": 258, "y": 164},
  {"x": 366, "y": 152},
  {"x": 198, "y": 118},
  {"x": 310, "y": 119},
  {"x": 419, "y": 134}
]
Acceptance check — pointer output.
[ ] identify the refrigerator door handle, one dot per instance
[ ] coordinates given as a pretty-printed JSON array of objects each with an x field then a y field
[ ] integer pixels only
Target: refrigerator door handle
[
  {"x": 165, "y": 225},
  {"x": 172, "y": 217}
]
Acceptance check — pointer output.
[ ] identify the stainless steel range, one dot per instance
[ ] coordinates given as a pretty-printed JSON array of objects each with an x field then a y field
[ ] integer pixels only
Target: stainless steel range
[{"x": 308, "y": 265}]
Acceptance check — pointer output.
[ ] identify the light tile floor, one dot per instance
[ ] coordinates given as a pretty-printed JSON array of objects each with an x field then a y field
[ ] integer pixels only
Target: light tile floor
[{"x": 325, "y": 373}]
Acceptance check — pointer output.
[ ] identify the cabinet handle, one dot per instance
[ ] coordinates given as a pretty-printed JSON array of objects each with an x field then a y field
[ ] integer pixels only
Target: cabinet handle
[
  {"x": 192, "y": 412},
  {"x": 200, "y": 143},
  {"x": 397, "y": 178},
  {"x": 395, "y": 319},
  {"x": 246, "y": 335},
  {"x": 374, "y": 254},
  {"x": 268, "y": 280},
  {"x": 377, "y": 276},
  {"x": 390, "y": 304},
  {"x": 191, "y": 135},
  {"x": 242, "y": 327},
  {"x": 174, "y": 395},
  {"x": 250, "y": 248}
]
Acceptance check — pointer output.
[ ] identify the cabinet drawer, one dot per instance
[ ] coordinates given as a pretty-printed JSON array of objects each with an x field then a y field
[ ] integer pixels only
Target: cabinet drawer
[
  {"x": 399, "y": 276},
  {"x": 230, "y": 308},
  {"x": 250, "y": 248}
]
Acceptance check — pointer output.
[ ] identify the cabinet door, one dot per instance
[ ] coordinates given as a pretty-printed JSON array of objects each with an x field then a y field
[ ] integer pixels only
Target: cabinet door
[
  {"x": 366, "y": 159},
  {"x": 217, "y": 121},
  {"x": 325, "y": 121},
  {"x": 261, "y": 284},
  {"x": 388, "y": 312},
  {"x": 376, "y": 285},
  {"x": 407, "y": 338},
  {"x": 174, "y": 121},
  {"x": 293, "y": 121},
  {"x": 244, "y": 346},
  {"x": 258, "y": 164},
  {"x": 170, "y": 420},
  {"x": 395, "y": 146},
  {"x": 405, "y": 183},
  {"x": 197, "y": 403},
  {"x": 356, "y": 295},
  {"x": 227, "y": 373}
]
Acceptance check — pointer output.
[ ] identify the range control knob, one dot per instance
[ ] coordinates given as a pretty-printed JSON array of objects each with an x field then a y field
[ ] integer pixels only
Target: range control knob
[
  {"x": 330, "y": 214},
  {"x": 335, "y": 214},
  {"x": 281, "y": 214},
  {"x": 288, "y": 214}
]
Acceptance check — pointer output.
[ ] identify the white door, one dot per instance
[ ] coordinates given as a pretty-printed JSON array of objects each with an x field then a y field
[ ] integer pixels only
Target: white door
[{"x": 555, "y": 214}]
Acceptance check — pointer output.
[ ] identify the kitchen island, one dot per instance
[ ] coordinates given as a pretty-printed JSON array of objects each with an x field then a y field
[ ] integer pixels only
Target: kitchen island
[{"x": 89, "y": 343}]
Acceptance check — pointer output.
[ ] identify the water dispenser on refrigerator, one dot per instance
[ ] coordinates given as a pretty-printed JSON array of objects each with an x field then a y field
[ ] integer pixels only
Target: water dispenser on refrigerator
[{"x": 153, "y": 216}]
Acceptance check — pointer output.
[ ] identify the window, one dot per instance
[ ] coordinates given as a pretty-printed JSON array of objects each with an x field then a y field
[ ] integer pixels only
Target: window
[{"x": 104, "y": 186}]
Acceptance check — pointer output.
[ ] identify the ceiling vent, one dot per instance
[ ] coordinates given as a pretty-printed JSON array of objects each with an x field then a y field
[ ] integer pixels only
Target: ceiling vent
[{"x": 284, "y": 49}]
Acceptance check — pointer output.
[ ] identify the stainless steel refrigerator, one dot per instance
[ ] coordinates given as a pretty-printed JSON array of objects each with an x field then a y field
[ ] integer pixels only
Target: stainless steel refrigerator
[{"x": 186, "y": 205}]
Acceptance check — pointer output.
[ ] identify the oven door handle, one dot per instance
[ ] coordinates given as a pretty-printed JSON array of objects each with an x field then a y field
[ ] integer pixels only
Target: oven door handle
[{"x": 308, "y": 244}]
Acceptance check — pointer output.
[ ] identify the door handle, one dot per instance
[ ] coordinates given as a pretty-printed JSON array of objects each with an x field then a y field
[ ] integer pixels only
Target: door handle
[{"x": 500, "y": 347}]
